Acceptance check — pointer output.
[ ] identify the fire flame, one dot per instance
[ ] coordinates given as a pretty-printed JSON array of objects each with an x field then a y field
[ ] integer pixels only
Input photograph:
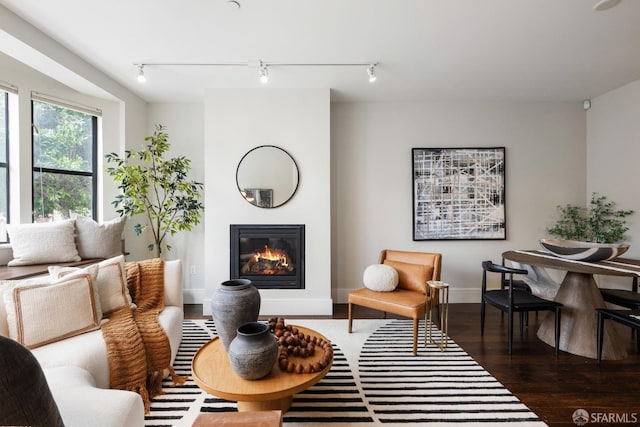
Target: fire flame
[{"x": 271, "y": 255}]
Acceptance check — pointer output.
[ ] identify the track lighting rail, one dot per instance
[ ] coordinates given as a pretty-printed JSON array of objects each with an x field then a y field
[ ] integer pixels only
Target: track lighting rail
[{"x": 263, "y": 66}]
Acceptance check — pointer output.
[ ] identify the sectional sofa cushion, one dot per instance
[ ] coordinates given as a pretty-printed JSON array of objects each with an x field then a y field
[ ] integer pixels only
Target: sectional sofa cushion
[
  {"x": 81, "y": 403},
  {"x": 89, "y": 351}
]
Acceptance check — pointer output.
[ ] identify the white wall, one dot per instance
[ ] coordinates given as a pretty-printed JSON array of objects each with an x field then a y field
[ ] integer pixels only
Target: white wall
[
  {"x": 28, "y": 80},
  {"x": 372, "y": 192},
  {"x": 613, "y": 152},
  {"x": 184, "y": 124},
  {"x": 298, "y": 121}
]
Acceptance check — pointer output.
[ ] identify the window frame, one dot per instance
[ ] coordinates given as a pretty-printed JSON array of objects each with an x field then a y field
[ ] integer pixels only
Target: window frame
[
  {"x": 94, "y": 157},
  {"x": 5, "y": 164}
]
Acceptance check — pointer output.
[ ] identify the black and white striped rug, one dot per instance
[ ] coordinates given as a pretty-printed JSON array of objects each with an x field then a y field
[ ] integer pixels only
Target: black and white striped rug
[{"x": 375, "y": 380}]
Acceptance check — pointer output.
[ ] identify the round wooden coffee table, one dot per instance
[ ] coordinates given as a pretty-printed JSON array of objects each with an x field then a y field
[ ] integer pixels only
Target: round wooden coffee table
[{"x": 212, "y": 373}]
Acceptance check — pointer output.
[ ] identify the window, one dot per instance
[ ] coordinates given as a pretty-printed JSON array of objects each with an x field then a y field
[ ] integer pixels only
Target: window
[
  {"x": 4, "y": 164},
  {"x": 64, "y": 162}
]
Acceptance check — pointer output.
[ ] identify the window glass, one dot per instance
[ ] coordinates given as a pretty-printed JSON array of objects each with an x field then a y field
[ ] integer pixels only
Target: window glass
[
  {"x": 64, "y": 175},
  {"x": 4, "y": 126}
]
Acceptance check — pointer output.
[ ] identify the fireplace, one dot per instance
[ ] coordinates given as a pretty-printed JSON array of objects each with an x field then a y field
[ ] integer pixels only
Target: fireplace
[{"x": 271, "y": 256}]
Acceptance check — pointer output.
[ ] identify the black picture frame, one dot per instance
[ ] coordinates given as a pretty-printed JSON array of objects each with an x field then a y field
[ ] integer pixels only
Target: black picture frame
[{"x": 459, "y": 193}]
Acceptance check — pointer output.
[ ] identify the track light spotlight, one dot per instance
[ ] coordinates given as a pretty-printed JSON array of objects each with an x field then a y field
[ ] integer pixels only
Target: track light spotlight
[
  {"x": 263, "y": 66},
  {"x": 264, "y": 73},
  {"x": 141, "y": 78},
  {"x": 371, "y": 71}
]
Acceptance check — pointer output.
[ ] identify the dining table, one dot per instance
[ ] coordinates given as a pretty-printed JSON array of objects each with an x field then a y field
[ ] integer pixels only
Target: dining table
[{"x": 580, "y": 297}]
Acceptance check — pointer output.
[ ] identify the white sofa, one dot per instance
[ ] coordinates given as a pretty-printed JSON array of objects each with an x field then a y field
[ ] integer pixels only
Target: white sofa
[{"x": 77, "y": 369}]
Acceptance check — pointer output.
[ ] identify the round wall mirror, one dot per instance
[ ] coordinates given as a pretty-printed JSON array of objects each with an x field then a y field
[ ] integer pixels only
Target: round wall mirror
[{"x": 267, "y": 176}]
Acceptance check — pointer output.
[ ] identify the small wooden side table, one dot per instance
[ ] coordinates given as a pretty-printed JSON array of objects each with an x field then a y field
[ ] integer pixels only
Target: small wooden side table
[{"x": 442, "y": 289}]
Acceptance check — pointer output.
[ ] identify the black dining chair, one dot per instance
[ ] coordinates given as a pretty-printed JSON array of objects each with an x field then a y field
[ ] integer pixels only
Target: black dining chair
[
  {"x": 510, "y": 300},
  {"x": 623, "y": 297},
  {"x": 517, "y": 284},
  {"x": 630, "y": 318}
]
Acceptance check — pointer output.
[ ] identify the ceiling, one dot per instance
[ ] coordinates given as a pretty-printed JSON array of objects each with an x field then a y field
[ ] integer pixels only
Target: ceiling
[{"x": 428, "y": 50}]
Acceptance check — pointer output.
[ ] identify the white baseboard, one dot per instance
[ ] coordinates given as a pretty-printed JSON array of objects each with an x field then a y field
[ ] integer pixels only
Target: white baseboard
[
  {"x": 459, "y": 295},
  {"x": 206, "y": 307},
  {"x": 315, "y": 307},
  {"x": 194, "y": 296},
  {"x": 286, "y": 307},
  {"x": 464, "y": 295},
  {"x": 296, "y": 307}
]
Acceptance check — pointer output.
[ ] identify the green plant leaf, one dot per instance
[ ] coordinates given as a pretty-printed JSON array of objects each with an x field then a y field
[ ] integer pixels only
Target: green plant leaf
[
  {"x": 156, "y": 187},
  {"x": 600, "y": 223}
]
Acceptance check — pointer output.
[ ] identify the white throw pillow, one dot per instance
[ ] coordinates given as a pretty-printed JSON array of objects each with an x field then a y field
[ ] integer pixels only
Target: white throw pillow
[
  {"x": 111, "y": 282},
  {"x": 7, "y": 286},
  {"x": 99, "y": 240},
  {"x": 380, "y": 278},
  {"x": 39, "y": 314},
  {"x": 42, "y": 243},
  {"x": 68, "y": 272}
]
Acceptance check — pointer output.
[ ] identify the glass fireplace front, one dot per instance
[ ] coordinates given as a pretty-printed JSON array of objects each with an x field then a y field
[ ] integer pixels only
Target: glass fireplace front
[{"x": 271, "y": 256}]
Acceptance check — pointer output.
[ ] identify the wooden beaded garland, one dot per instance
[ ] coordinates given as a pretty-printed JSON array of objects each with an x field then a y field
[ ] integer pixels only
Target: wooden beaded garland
[{"x": 292, "y": 342}]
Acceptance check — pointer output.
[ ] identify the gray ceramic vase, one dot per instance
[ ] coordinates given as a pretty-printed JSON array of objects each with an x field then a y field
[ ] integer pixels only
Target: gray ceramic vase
[
  {"x": 253, "y": 352},
  {"x": 234, "y": 303}
]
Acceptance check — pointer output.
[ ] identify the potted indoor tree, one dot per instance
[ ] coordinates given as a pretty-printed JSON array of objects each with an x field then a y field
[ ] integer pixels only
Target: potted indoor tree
[
  {"x": 158, "y": 188},
  {"x": 592, "y": 234}
]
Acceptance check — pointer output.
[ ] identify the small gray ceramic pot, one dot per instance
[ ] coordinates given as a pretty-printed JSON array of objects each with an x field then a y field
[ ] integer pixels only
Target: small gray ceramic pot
[{"x": 253, "y": 352}]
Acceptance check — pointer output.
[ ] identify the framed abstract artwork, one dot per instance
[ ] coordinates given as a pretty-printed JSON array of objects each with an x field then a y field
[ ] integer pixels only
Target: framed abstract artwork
[{"x": 458, "y": 193}]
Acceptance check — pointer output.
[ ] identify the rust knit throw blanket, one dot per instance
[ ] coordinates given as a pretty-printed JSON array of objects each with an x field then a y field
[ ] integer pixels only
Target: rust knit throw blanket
[{"x": 137, "y": 346}]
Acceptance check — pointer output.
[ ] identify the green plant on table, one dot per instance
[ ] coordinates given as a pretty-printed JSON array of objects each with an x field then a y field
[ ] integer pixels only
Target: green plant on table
[
  {"x": 157, "y": 187},
  {"x": 600, "y": 223}
]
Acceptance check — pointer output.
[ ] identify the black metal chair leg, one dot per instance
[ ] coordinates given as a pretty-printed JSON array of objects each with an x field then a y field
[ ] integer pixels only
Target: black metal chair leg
[
  {"x": 558, "y": 314},
  {"x": 510, "y": 332},
  {"x": 600, "y": 334},
  {"x": 482, "y": 307},
  {"x": 522, "y": 317}
]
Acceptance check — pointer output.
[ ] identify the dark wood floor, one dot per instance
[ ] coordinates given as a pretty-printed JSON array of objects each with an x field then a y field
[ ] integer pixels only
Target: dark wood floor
[{"x": 553, "y": 387}]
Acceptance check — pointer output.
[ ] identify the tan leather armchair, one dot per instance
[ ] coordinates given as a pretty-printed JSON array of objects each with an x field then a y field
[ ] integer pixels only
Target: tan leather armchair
[{"x": 411, "y": 296}]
